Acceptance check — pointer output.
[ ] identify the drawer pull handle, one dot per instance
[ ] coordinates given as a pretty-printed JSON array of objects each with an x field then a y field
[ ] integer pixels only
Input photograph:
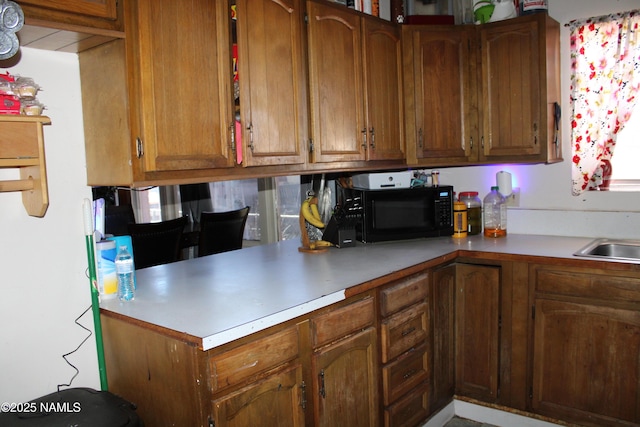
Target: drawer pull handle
[
  {"x": 409, "y": 374},
  {"x": 408, "y": 331}
]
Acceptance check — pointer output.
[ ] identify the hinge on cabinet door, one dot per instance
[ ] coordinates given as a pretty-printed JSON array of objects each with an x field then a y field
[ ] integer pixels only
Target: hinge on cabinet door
[
  {"x": 311, "y": 146},
  {"x": 323, "y": 392},
  {"x": 531, "y": 393},
  {"x": 499, "y": 322},
  {"x": 250, "y": 129},
  {"x": 372, "y": 131},
  {"x": 139, "y": 148},
  {"x": 303, "y": 398},
  {"x": 306, "y": 18}
]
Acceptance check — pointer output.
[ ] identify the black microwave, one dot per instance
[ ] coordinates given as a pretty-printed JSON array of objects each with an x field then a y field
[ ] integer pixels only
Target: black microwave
[{"x": 410, "y": 213}]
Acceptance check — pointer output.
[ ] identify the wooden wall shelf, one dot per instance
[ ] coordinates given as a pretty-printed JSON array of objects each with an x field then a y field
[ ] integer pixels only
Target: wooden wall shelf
[{"x": 22, "y": 147}]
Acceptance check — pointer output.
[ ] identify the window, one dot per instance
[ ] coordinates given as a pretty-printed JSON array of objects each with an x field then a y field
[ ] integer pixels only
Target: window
[
  {"x": 605, "y": 83},
  {"x": 625, "y": 173}
]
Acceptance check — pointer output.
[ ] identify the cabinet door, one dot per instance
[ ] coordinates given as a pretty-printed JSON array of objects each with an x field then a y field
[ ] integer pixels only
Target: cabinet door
[
  {"x": 383, "y": 75},
  {"x": 441, "y": 103},
  {"x": 443, "y": 312},
  {"x": 586, "y": 363},
  {"x": 477, "y": 330},
  {"x": 276, "y": 401},
  {"x": 345, "y": 382},
  {"x": 336, "y": 88},
  {"x": 98, "y": 8},
  {"x": 179, "y": 62},
  {"x": 272, "y": 81},
  {"x": 512, "y": 124}
]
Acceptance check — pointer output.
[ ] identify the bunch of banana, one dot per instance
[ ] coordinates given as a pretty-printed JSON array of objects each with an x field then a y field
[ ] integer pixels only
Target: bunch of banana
[
  {"x": 309, "y": 210},
  {"x": 320, "y": 244}
]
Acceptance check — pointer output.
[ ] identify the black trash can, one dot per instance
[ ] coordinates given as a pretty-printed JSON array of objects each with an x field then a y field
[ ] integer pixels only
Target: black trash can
[{"x": 78, "y": 407}]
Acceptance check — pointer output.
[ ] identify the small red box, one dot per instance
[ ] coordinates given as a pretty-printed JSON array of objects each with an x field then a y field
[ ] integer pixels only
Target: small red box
[{"x": 9, "y": 104}]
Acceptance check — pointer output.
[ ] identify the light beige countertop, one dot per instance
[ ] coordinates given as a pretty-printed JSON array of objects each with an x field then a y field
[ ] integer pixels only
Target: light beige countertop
[{"x": 220, "y": 298}]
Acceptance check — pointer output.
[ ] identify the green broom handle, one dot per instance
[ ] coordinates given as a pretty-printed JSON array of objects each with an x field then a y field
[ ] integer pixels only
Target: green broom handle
[{"x": 95, "y": 301}]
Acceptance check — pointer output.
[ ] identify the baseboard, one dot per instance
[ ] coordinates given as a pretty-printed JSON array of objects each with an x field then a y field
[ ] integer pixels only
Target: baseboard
[{"x": 483, "y": 414}]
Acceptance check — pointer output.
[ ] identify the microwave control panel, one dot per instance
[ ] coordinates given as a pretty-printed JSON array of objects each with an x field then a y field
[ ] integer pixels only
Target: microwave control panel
[{"x": 444, "y": 209}]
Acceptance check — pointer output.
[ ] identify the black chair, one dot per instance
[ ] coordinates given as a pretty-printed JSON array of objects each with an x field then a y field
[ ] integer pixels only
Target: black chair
[
  {"x": 157, "y": 243},
  {"x": 221, "y": 231},
  {"x": 117, "y": 219}
]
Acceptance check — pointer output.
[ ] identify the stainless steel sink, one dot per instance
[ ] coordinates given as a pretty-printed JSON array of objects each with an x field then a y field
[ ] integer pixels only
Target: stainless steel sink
[{"x": 620, "y": 249}]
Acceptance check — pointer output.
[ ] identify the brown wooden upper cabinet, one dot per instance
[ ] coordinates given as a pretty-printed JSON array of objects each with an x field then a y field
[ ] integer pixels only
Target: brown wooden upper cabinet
[
  {"x": 355, "y": 86},
  {"x": 160, "y": 103},
  {"x": 180, "y": 84},
  {"x": 483, "y": 94},
  {"x": 272, "y": 81},
  {"x": 102, "y": 14}
]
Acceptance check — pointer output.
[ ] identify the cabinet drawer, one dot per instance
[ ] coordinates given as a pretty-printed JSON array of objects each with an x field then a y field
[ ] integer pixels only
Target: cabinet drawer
[
  {"x": 403, "y": 294},
  {"x": 403, "y": 330},
  {"x": 410, "y": 410},
  {"x": 341, "y": 322},
  {"x": 404, "y": 373},
  {"x": 578, "y": 282},
  {"x": 237, "y": 365}
]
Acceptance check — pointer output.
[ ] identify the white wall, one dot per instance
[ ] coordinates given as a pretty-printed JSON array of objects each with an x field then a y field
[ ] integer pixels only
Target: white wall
[
  {"x": 546, "y": 203},
  {"x": 44, "y": 287}
]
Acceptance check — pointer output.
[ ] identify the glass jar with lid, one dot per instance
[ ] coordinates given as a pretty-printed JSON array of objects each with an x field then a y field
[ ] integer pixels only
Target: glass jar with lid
[{"x": 474, "y": 211}]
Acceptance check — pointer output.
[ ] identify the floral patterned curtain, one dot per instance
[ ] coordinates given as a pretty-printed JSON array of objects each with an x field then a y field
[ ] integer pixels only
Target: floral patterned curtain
[{"x": 605, "y": 79}]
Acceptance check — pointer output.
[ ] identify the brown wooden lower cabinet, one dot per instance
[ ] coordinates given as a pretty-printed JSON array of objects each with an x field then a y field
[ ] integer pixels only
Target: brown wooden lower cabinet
[
  {"x": 405, "y": 348},
  {"x": 344, "y": 371},
  {"x": 586, "y": 346},
  {"x": 559, "y": 341},
  {"x": 477, "y": 321},
  {"x": 274, "y": 401}
]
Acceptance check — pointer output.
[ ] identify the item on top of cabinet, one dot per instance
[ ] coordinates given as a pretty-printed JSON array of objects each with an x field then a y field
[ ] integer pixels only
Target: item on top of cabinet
[
  {"x": 31, "y": 107},
  {"x": 482, "y": 11},
  {"x": 459, "y": 219},
  {"x": 533, "y": 6},
  {"x": 474, "y": 211},
  {"x": 18, "y": 95},
  {"x": 9, "y": 104},
  {"x": 495, "y": 214},
  {"x": 503, "y": 9},
  {"x": 26, "y": 88}
]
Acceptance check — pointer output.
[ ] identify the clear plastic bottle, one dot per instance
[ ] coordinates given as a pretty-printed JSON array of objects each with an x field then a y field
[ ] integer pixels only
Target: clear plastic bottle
[
  {"x": 124, "y": 273},
  {"x": 495, "y": 214},
  {"x": 474, "y": 211}
]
